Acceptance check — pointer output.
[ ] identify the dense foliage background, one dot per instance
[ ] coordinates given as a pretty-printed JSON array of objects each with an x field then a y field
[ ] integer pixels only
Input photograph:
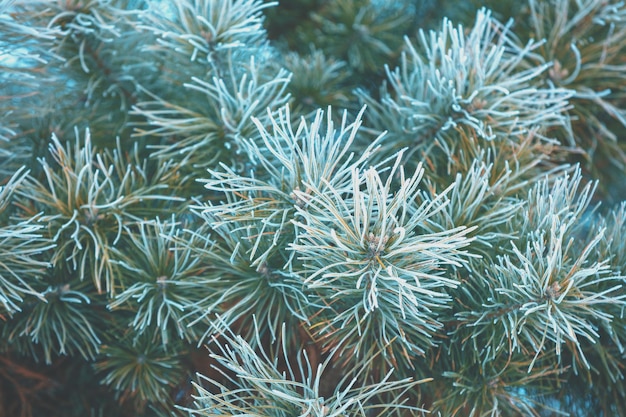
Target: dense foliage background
[{"x": 312, "y": 208}]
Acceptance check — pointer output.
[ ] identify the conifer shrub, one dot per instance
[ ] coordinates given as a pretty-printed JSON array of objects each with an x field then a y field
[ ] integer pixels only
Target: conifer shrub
[{"x": 312, "y": 208}]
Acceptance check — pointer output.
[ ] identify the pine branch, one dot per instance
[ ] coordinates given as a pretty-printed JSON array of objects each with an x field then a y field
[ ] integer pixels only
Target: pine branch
[
  {"x": 459, "y": 87},
  {"x": 288, "y": 386},
  {"x": 86, "y": 198}
]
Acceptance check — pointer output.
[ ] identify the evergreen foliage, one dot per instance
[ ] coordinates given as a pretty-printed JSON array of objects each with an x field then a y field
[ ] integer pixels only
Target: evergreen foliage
[{"x": 312, "y": 208}]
